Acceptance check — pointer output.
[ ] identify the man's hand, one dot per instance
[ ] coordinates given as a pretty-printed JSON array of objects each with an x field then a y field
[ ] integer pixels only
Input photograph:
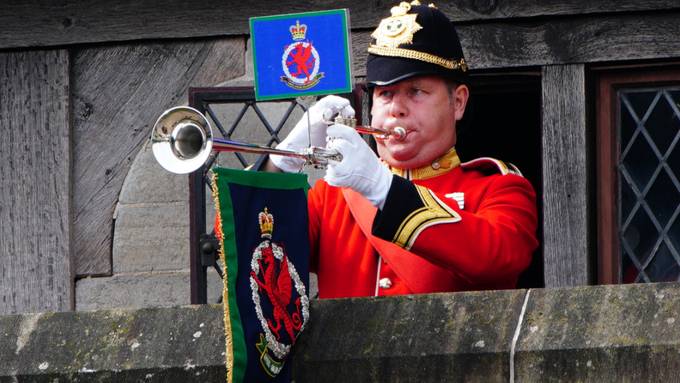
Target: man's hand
[
  {"x": 360, "y": 169},
  {"x": 319, "y": 116}
]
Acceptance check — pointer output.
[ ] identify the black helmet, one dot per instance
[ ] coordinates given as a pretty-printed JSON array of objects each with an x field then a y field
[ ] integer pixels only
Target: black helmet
[{"x": 415, "y": 40}]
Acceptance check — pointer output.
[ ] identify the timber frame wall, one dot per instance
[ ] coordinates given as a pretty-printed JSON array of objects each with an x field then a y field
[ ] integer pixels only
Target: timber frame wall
[{"x": 62, "y": 169}]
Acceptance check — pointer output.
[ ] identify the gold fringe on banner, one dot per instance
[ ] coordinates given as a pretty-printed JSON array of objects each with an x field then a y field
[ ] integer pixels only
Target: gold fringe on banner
[{"x": 229, "y": 357}]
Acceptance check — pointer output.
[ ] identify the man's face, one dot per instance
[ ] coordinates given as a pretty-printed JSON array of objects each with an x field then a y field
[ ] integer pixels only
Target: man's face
[{"x": 428, "y": 111}]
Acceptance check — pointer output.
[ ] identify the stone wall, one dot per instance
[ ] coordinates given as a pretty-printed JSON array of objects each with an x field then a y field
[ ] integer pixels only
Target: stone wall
[{"x": 588, "y": 334}]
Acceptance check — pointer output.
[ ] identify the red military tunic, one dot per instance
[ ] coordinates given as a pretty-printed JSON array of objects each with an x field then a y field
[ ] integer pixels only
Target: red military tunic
[{"x": 477, "y": 220}]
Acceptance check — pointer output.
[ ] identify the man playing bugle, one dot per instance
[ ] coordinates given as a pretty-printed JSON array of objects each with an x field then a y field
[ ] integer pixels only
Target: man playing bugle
[{"x": 413, "y": 219}]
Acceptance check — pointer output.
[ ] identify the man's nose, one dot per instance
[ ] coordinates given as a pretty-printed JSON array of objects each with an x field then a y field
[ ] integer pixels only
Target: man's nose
[{"x": 398, "y": 106}]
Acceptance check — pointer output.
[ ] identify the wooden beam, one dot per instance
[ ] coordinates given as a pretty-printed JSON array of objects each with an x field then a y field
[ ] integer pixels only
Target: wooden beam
[
  {"x": 35, "y": 208},
  {"x": 30, "y": 23},
  {"x": 566, "y": 242},
  {"x": 118, "y": 93},
  {"x": 584, "y": 39},
  {"x": 558, "y": 41}
]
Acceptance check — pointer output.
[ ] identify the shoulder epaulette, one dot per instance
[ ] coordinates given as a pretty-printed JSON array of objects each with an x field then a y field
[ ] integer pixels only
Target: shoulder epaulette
[{"x": 492, "y": 164}]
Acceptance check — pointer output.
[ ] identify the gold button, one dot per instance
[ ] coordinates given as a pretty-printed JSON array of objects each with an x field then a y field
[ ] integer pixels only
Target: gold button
[
  {"x": 435, "y": 165},
  {"x": 385, "y": 283}
]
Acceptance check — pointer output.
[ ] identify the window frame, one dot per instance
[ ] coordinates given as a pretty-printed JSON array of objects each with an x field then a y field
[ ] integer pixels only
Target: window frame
[{"x": 608, "y": 82}]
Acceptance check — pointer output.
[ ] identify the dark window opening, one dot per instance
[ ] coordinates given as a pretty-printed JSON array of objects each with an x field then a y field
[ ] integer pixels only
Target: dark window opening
[{"x": 503, "y": 121}]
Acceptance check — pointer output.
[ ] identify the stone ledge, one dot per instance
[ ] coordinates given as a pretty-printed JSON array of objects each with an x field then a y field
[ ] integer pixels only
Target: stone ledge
[
  {"x": 605, "y": 333},
  {"x": 425, "y": 338},
  {"x": 181, "y": 344},
  {"x": 601, "y": 333}
]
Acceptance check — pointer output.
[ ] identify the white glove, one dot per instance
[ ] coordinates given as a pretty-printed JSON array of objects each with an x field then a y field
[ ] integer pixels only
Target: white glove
[
  {"x": 360, "y": 169},
  {"x": 319, "y": 114}
]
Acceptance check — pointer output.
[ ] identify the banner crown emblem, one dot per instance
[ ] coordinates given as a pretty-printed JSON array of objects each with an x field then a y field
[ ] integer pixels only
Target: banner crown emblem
[
  {"x": 298, "y": 30},
  {"x": 266, "y": 223}
]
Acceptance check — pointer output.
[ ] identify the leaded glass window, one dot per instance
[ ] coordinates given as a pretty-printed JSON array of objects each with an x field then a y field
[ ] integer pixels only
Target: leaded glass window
[{"x": 648, "y": 125}]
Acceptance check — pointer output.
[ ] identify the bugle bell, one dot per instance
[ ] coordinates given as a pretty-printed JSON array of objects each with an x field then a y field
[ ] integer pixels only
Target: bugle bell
[{"x": 181, "y": 139}]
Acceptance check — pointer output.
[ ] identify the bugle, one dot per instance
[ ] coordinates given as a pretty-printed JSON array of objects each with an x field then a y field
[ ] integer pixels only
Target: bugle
[{"x": 182, "y": 141}]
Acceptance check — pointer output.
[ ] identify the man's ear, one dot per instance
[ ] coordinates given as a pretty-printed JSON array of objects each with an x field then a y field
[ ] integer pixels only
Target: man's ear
[{"x": 460, "y": 99}]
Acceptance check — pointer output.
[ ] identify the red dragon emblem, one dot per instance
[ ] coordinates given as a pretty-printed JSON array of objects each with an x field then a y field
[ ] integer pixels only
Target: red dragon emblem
[
  {"x": 278, "y": 286},
  {"x": 280, "y": 299},
  {"x": 300, "y": 61},
  {"x": 301, "y": 57}
]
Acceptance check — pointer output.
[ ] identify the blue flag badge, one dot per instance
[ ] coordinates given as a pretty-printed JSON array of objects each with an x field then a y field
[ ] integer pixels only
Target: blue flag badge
[{"x": 301, "y": 54}]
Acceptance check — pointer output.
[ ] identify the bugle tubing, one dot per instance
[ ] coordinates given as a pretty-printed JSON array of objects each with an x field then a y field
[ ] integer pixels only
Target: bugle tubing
[{"x": 182, "y": 141}]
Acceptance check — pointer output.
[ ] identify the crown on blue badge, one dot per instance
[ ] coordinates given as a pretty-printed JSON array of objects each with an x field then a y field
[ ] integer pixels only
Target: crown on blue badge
[
  {"x": 298, "y": 30},
  {"x": 266, "y": 223},
  {"x": 312, "y": 58}
]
